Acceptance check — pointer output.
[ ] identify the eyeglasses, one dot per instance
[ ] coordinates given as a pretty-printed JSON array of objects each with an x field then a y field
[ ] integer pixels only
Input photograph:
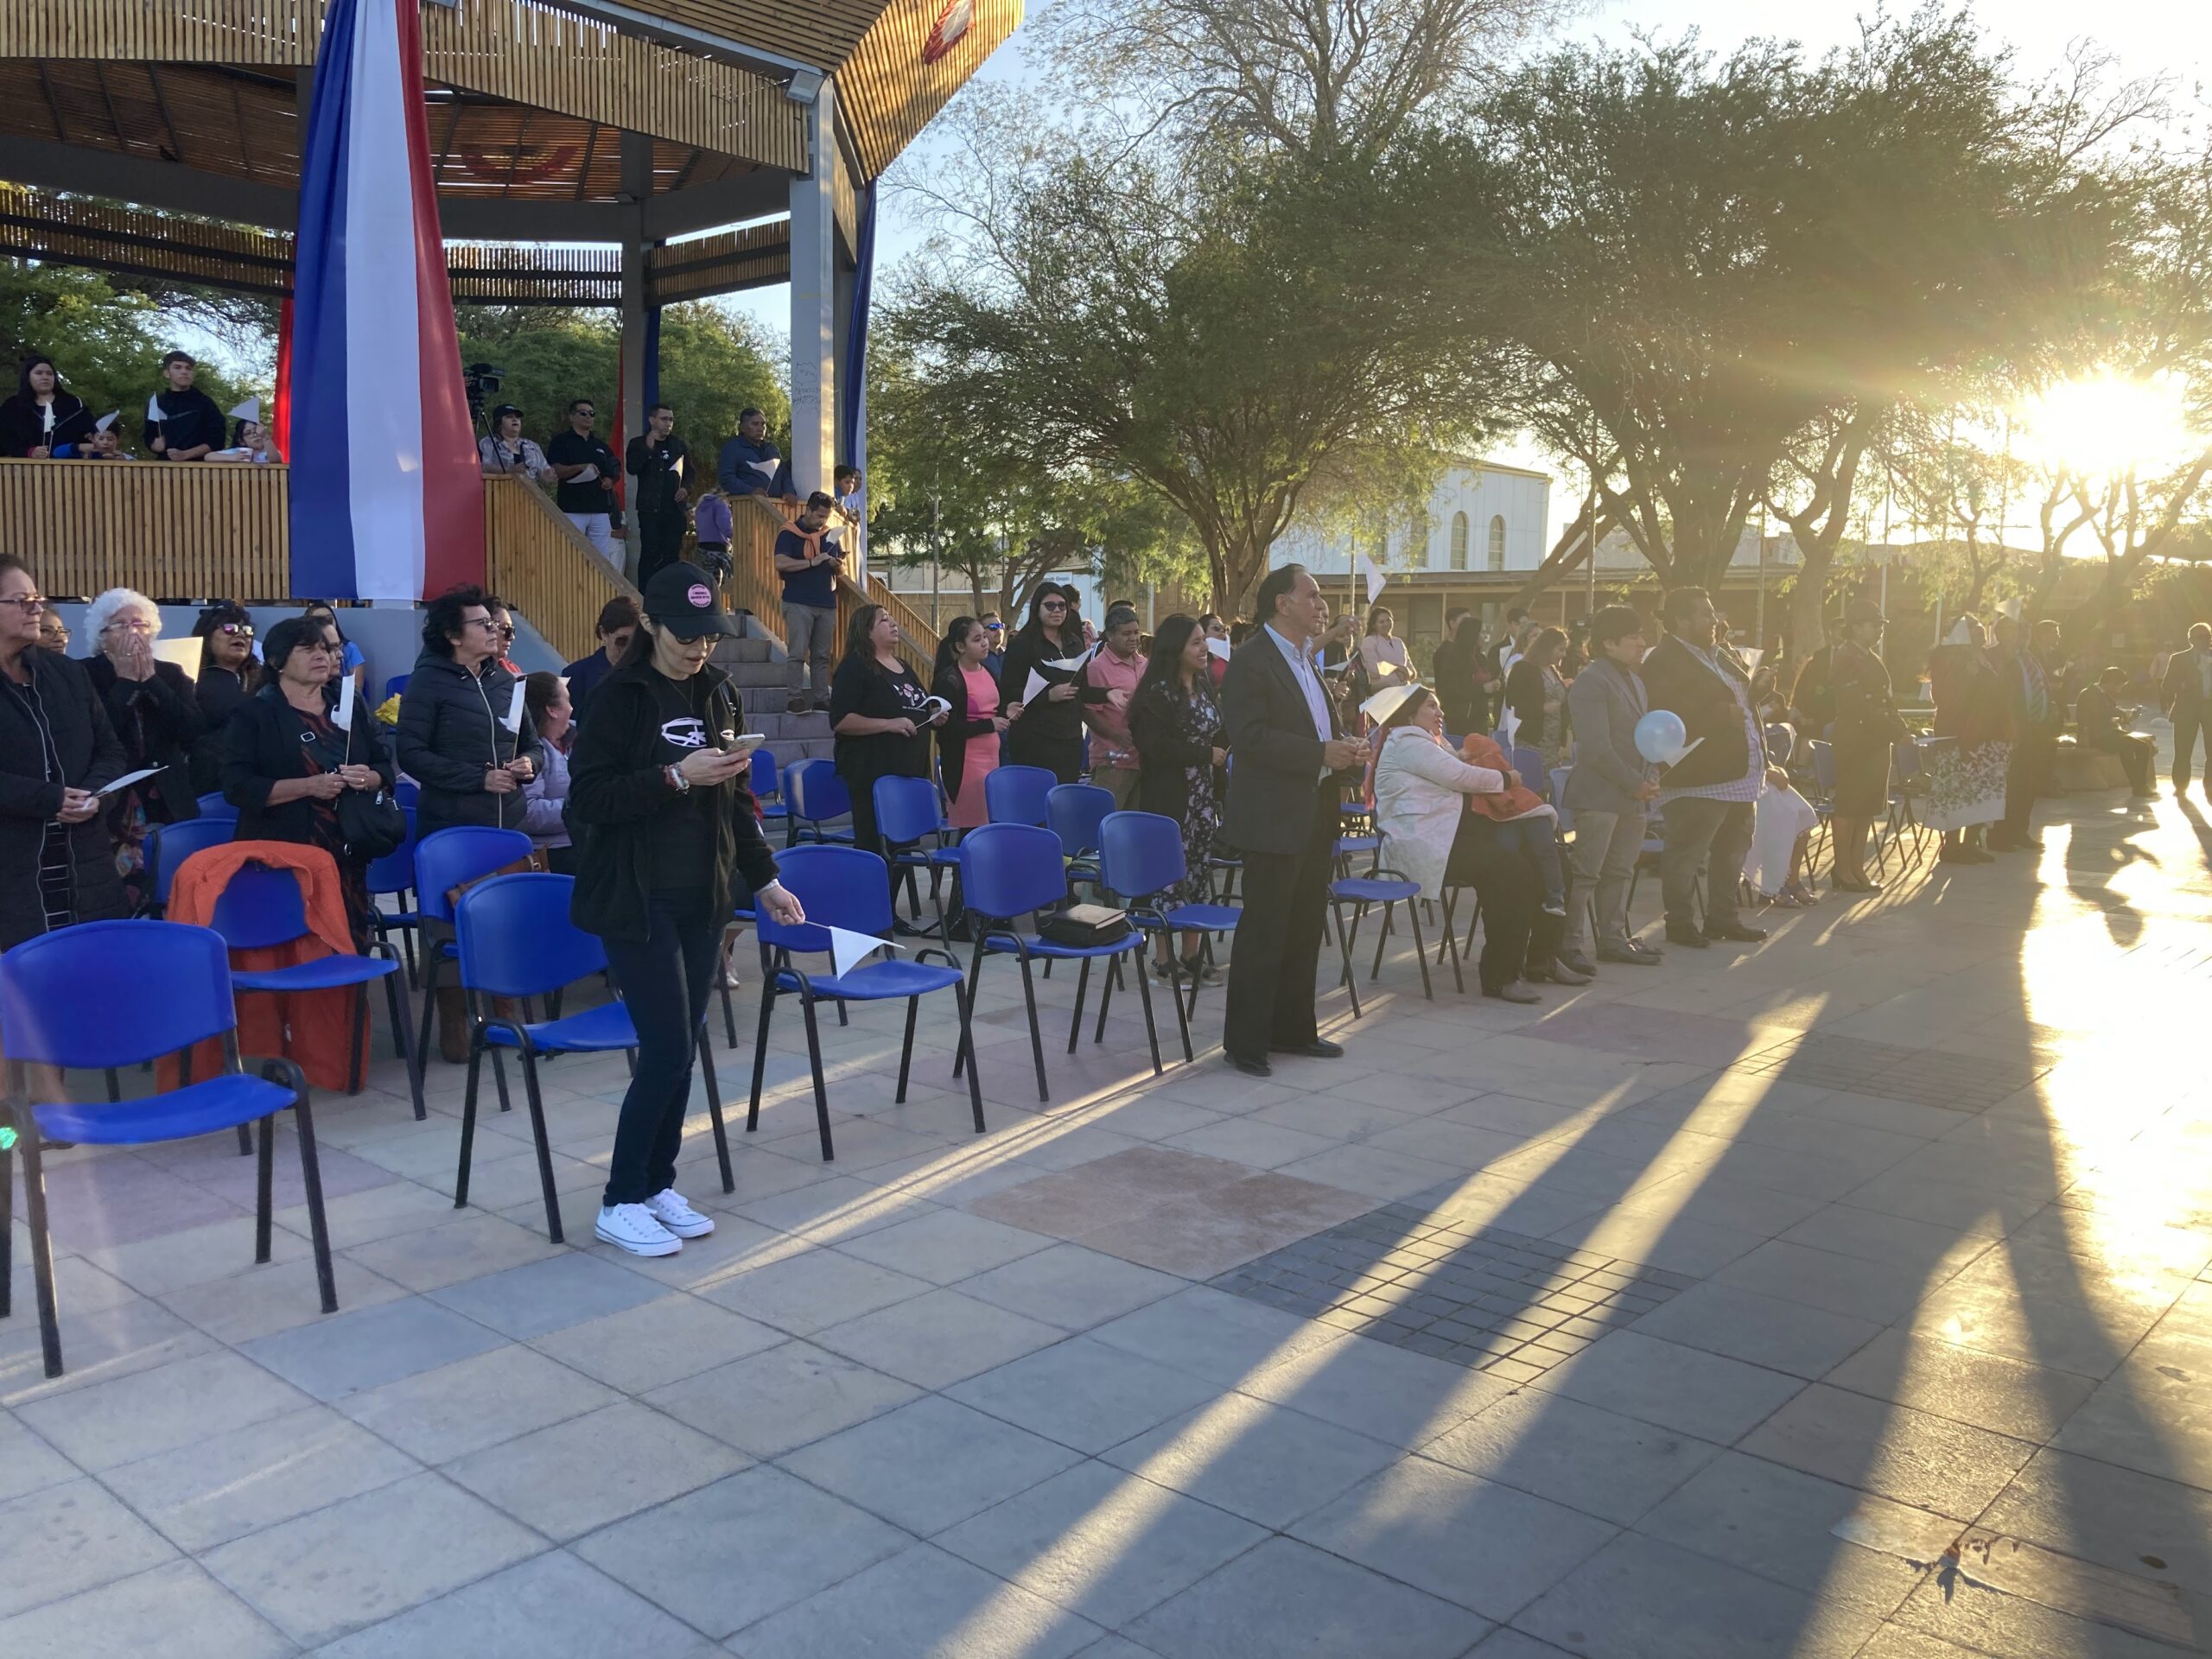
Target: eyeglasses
[
  {"x": 30, "y": 602},
  {"x": 244, "y": 629}
]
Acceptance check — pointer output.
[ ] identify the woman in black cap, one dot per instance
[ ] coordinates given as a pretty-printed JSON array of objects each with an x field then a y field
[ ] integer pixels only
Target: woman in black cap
[{"x": 661, "y": 807}]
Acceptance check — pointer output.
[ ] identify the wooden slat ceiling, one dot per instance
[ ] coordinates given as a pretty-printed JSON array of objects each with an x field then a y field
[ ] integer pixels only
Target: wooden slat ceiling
[
  {"x": 243, "y": 124},
  {"x": 820, "y": 32}
]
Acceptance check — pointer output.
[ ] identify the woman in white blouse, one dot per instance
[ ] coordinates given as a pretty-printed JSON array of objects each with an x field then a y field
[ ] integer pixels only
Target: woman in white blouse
[
  {"x": 1424, "y": 808},
  {"x": 1382, "y": 646}
]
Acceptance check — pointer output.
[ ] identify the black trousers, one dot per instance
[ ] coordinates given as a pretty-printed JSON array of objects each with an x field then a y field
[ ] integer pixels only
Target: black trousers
[
  {"x": 2187, "y": 727},
  {"x": 1271, "y": 973},
  {"x": 664, "y": 979},
  {"x": 1516, "y": 934},
  {"x": 2135, "y": 754},
  {"x": 660, "y": 542},
  {"x": 2028, "y": 772}
]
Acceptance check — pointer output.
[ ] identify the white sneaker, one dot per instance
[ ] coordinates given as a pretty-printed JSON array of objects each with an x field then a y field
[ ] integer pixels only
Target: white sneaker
[
  {"x": 631, "y": 1227},
  {"x": 678, "y": 1217}
]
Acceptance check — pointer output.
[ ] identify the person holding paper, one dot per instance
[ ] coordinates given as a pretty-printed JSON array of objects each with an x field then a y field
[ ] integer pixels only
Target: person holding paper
[
  {"x": 1382, "y": 655},
  {"x": 288, "y": 756},
  {"x": 1043, "y": 681},
  {"x": 1609, "y": 791},
  {"x": 1289, "y": 768},
  {"x": 808, "y": 564},
  {"x": 41, "y": 418},
  {"x": 659, "y": 461},
  {"x": 878, "y": 711},
  {"x": 156, "y": 718},
  {"x": 589, "y": 474},
  {"x": 105, "y": 443},
  {"x": 1537, "y": 697},
  {"x": 503, "y": 449},
  {"x": 750, "y": 464},
  {"x": 463, "y": 736},
  {"x": 57, "y": 752},
  {"x": 182, "y": 422},
  {"x": 1120, "y": 666},
  {"x": 967, "y": 742},
  {"x": 668, "y": 829},
  {"x": 1708, "y": 795}
]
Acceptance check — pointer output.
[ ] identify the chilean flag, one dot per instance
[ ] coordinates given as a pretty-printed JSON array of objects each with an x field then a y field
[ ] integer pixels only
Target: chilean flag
[{"x": 386, "y": 499}]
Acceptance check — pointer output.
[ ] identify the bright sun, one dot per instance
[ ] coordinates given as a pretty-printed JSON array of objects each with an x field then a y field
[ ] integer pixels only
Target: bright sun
[{"x": 2106, "y": 423}]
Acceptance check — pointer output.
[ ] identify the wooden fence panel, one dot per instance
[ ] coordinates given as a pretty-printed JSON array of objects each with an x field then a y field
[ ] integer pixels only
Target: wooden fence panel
[
  {"x": 539, "y": 564},
  {"x": 170, "y": 532}
]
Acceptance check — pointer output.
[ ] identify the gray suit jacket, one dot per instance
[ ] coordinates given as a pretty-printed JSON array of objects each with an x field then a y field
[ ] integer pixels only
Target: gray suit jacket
[{"x": 1605, "y": 702}]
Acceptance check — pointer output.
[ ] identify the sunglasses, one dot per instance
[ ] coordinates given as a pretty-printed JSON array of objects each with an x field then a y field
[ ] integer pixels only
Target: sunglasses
[
  {"x": 236, "y": 629},
  {"x": 1053, "y": 605}
]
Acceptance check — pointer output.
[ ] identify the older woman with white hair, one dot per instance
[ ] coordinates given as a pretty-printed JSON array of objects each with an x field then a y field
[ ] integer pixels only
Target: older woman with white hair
[{"x": 155, "y": 715}]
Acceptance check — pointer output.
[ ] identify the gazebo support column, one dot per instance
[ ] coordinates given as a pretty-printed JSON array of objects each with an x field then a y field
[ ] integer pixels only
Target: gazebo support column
[
  {"x": 815, "y": 322},
  {"x": 637, "y": 190}
]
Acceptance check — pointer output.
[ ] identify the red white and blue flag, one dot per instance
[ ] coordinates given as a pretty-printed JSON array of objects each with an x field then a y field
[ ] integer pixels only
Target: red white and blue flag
[{"x": 386, "y": 500}]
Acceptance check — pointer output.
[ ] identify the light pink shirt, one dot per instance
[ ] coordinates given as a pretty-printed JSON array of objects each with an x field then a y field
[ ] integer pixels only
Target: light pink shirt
[{"x": 1112, "y": 724}]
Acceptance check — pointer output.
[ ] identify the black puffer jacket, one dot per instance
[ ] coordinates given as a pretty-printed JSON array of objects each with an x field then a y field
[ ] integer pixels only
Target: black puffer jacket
[
  {"x": 156, "y": 721},
  {"x": 452, "y": 730},
  {"x": 90, "y": 758}
]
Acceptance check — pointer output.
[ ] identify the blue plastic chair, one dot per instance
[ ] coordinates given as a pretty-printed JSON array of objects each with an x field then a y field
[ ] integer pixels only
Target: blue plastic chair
[
  {"x": 261, "y": 907},
  {"x": 910, "y": 820},
  {"x": 444, "y": 859},
  {"x": 1389, "y": 889},
  {"x": 1074, "y": 812},
  {"x": 815, "y": 794},
  {"x": 58, "y": 1007},
  {"x": 1018, "y": 795},
  {"x": 1529, "y": 763},
  {"x": 1140, "y": 858},
  {"x": 1011, "y": 870},
  {"x": 767, "y": 788},
  {"x": 394, "y": 686},
  {"x": 516, "y": 941},
  {"x": 167, "y": 845},
  {"x": 844, "y": 887},
  {"x": 218, "y": 805}
]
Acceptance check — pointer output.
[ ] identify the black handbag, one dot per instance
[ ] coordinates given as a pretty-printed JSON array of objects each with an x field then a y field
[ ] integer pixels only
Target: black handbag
[{"x": 369, "y": 822}]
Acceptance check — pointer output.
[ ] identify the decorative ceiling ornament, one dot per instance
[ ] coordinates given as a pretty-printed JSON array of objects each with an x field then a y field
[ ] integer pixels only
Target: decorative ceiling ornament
[
  {"x": 515, "y": 165},
  {"x": 950, "y": 29}
]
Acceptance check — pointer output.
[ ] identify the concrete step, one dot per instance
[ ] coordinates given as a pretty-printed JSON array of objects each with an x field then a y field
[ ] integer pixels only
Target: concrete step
[
  {"x": 755, "y": 674},
  {"x": 744, "y": 651},
  {"x": 778, "y": 727}
]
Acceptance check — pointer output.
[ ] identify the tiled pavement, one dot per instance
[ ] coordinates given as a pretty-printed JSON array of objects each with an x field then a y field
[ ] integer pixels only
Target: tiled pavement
[{"x": 1847, "y": 1296}]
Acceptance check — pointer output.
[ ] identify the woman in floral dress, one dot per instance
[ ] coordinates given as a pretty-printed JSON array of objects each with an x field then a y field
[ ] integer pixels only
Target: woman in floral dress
[{"x": 1176, "y": 726}]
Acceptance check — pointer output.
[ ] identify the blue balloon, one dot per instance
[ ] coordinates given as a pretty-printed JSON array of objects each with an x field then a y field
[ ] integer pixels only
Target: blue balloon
[{"x": 1660, "y": 735}]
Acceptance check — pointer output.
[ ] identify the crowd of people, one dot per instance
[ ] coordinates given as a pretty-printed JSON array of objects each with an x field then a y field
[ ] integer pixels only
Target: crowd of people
[{"x": 45, "y": 421}]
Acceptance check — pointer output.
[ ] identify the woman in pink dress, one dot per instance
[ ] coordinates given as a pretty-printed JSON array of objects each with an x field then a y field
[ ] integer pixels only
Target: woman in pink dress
[{"x": 967, "y": 742}]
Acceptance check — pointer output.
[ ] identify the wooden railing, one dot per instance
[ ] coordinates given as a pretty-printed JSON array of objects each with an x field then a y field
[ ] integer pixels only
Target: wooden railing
[
  {"x": 754, "y": 586},
  {"x": 170, "y": 531},
  {"x": 536, "y": 562}
]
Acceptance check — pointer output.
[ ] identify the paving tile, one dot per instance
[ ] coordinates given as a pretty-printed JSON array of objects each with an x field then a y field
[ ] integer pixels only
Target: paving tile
[
  {"x": 1706, "y": 1394},
  {"x": 1488, "y": 1547},
  {"x": 135, "y": 1416},
  {"x": 434, "y": 1257},
  {"x": 1894, "y": 1240},
  {"x": 929, "y": 1464},
  {"x": 2154, "y": 1413},
  {"x": 566, "y": 1479},
  {"x": 1070, "y": 1286},
  {"x": 1599, "y": 1462},
  {"x": 95, "y": 1348},
  {"x": 1839, "y": 1284},
  {"x": 1988, "y": 1390},
  {"x": 657, "y": 1343},
  {"x": 1971, "y": 1618},
  {"x": 1083, "y": 1393},
  {"x": 441, "y": 1415},
  {"x": 1783, "y": 1336},
  {"x": 936, "y": 1339},
  {"x": 1378, "y": 1390},
  {"x": 552, "y": 1606},
  {"x": 176, "y": 1610},
  {"x": 1264, "y": 1462},
  {"x": 781, "y": 1398},
  {"x": 945, "y": 1246},
  {"x": 1928, "y": 1462},
  {"x": 259, "y": 1301},
  {"x": 349, "y": 1353},
  {"x": 1241, "y": 1139},
  {"x": 921, "y": 1604},
  {"x": 2120, "y": 1518},
  {"x": 544, "y": 1296},
  {"x": 1221, "y": 1338},
  {"x": 1285, "y": 1597},
  {"x": 731, "y": 1553},
  {"x": 813, "y": 1291},
  {"x": 223, "y": 1487},
  {"x": 27, "y": 1463},
  {"x": 1102, "y": 1542},
  {"x": 66, "y": 1539},
  {"x": 1641, "y": 1598}
]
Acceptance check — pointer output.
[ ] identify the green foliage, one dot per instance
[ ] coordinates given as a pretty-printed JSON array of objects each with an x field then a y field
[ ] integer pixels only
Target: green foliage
[{"x": 106, "y": 342}]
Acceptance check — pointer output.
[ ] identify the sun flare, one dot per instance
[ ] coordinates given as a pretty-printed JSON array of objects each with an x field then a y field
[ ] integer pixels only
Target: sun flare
[{"x": 2105, "y": 424}]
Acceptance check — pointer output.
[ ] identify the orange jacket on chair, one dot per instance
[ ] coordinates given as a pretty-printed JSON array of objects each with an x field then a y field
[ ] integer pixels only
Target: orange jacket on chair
[{"x": 312, "y": 1027}]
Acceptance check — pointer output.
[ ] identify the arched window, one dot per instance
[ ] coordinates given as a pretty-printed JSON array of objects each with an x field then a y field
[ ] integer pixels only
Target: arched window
[
  {"x": 1497, "y": 544},
  {"x": 1459, "y": 540},
  {"x": 1417, "y": 541}
]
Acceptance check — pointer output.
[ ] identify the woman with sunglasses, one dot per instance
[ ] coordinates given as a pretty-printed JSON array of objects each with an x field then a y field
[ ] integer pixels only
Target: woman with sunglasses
[
  {"x": 228, "y": 676},
  {"x": 1048, "y": 732},
  {"x": 453, "y": 736},
  {"x": 57, "y": 751}
]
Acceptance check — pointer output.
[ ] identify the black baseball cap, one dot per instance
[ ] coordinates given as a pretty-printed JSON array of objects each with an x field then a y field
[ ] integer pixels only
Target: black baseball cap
[{"x": 681, "y": 598}]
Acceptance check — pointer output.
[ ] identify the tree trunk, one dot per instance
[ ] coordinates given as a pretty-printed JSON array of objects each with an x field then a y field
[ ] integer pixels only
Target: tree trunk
[
  {"x": 1809, "y": 603},
  {"x": 1567, "y": 553}
]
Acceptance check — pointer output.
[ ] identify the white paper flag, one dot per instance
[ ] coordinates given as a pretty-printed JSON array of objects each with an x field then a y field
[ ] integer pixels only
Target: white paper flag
[
  {"x": 515, "y": 709},
  {"x": 1217, "y": 648},
  {"x": 765, "y": 469},
  {"x": 848, "y": 949},
  {"x": 345, "y": 706},
  {"x": 105, "y": 420},
  {"x": 1386, "y": 703},
  {"x": 248, "y": 410},
  {"x": 129, "y": 779},
  {"x": 1387, "y": 670},
  {"x": 1684, "y": 753},
  {"x": 1038, "y": 686},
  {"x": 589, "y": 476},
  {"x": 1072, "y": 664},
  {"x": 1369, "y": 575},
  {"x": 154, "y": 408}
]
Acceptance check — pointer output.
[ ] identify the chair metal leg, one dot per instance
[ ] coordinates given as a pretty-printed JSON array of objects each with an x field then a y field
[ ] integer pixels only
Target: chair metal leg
[
  {"x": 49, "y": 1319},
  {"x": 1036, "y": 1037},
  {"x": 318, "y": 1223},
  {"x": 263, "y": 1178},
  {"x": 1458, "y": 979},
  {"x": 974, "y": 985},
  {"x": 114, "y": 1086},
  {"x": 533, "y": 1099},
  {"x": 967, "y": 1046},
  {"x": 729, "y": 1017},
  {"x": 1343, "y": 953},
  {"x": 715, "y": 1109},
  {"x": 1421, "y": 951},
  {"x": 760, "y": 1049},
  {"x": 1381, "y": 939},
  {"x": 1106, "y": 993},
  {"x": 1175, "y": 990},
  {"x": 431, "y": 958},
  {"x": 814, "y": 1061},
  {"x": 906, "y": 1049},
  {"x": 468, "y": 1120},
  {"x": 404, "y": 1037},
  {"x": 1081, "y": 982},
  {"x": 7, "y": 1217},
  {"x": 1151, "y": 1030}
]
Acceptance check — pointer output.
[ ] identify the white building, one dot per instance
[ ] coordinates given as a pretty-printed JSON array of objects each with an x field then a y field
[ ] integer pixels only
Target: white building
[{"x": 1480, "y": 517}]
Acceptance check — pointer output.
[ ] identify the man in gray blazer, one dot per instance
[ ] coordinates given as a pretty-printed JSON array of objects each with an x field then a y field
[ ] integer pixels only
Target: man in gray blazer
[
  {"x": 1608, "y": 792},
  {"x": 2187, "y": 696}
]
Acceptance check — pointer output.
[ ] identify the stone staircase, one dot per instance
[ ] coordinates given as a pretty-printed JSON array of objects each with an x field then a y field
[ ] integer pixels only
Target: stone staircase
[{"x": 756, "y": 665}]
